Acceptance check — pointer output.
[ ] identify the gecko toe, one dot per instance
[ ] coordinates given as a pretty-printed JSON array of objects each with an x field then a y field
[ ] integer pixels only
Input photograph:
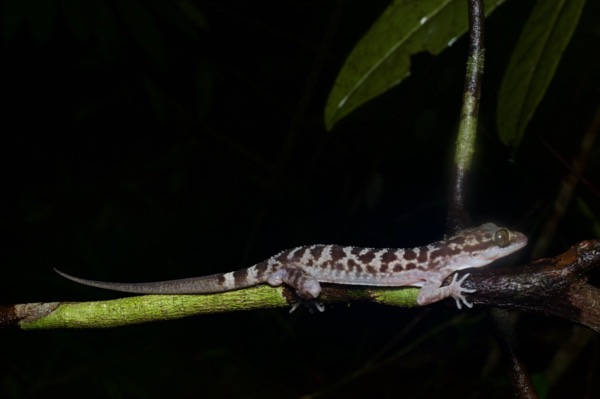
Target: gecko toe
[{"x": 310, "y": 304}]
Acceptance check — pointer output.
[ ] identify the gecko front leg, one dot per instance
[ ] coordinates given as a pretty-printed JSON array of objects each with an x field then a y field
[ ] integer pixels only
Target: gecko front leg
[{"x": 432, "y": 292}]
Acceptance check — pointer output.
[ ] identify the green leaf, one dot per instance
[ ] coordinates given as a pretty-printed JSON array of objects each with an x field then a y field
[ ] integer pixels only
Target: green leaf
[
  {"x": 174, "y": 18},
  {"x": 139, "y": 20},
  {"x": 105, "y": 29},
  {"x": 157, "y": 99},
  {"x": 193, "y": 13},
  {"x": 381, "y": 59},
  {"x": 533, "y": 64},
  {"x": 41, "y": 16},
  {"x": 11, "y": 17},
  {"x": 79, "y": 18}
]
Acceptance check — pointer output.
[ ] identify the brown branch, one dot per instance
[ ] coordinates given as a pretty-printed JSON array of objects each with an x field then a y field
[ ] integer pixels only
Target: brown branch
[
  {"x": 507, "y": 339},
  {"x": 552, "y": 286},
  {"x": 11, "y": 316}
]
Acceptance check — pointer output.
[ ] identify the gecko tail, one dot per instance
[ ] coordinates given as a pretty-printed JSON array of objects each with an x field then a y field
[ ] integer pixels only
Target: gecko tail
[{"x": 210, "y": 284}]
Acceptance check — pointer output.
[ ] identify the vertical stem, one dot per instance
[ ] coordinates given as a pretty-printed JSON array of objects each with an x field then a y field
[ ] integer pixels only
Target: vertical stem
[
  {"x": 507, "y": 339},
  {"x": 458, "y": 217}
]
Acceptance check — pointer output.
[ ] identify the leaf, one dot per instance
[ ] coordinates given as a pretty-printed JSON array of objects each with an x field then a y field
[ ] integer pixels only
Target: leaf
[
  {"x": 174, "y": 18},
  {"x": 79, "y": 18},
  {"x": 381, "y": 59},
  {"x": 204, "y": 89},
  {"x": 533, "y": 64},
  {"x": 157, "y": 99},
  {"x": 105, "y": 29},
  {"x": 139, "y": 20},
  {"x": 11, "y": 17},
  {"x": 41, "y": 16},
  {"x": 193, "y": 13}
]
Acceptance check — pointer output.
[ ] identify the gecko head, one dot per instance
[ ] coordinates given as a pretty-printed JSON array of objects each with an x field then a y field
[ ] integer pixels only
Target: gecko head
[{"x": 479, "y": 246}]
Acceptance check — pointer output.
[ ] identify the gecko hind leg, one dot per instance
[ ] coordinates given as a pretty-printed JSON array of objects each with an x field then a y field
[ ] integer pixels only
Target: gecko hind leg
[{"x": 305, "y": 285}]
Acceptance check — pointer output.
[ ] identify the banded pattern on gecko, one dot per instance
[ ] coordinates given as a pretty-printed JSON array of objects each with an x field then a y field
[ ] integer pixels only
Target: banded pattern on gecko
[{"x": 304, "y": 268}]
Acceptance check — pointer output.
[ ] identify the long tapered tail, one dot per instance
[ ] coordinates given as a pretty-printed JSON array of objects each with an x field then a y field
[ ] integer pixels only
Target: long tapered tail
[{"x": 213, "y": 283}]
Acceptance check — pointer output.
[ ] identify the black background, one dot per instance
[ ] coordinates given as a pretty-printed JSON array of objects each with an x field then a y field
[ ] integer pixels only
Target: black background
[{"x": 204, "y": 150}]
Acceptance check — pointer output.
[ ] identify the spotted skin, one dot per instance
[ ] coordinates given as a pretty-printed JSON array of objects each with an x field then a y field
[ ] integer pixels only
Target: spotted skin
[{"x": 304, "y": 268}]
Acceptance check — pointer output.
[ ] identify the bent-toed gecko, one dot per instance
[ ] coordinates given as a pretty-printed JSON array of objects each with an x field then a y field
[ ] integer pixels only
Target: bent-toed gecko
[{"x": 304, "y": 268}]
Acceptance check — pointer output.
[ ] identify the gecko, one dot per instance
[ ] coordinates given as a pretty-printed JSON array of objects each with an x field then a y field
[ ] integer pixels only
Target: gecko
[{"x": 305, "y": 268}]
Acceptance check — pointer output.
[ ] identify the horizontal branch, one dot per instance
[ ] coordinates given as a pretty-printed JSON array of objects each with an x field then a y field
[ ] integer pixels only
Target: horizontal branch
[
  {"x": 552, "y": 286},
  {"x": 148, "y": 308},
  {"x": 136, "y": 309}
]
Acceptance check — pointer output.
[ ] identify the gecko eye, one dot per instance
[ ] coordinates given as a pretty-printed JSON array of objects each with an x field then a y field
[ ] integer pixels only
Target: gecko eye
[{"x": 502, "y": 238}]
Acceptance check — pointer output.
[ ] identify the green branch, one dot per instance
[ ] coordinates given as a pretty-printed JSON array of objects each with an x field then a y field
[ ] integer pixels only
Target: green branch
[{"x": 148, "y": 308}]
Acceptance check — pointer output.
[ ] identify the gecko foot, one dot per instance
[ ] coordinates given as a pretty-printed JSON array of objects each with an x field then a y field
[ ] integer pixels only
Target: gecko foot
[
  {"x": 432, "y": 292},
  {"x": 457, "y": 291}
]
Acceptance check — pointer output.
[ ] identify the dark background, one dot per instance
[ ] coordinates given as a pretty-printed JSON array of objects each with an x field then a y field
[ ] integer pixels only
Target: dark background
[{"x": 141, "y": 141}]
